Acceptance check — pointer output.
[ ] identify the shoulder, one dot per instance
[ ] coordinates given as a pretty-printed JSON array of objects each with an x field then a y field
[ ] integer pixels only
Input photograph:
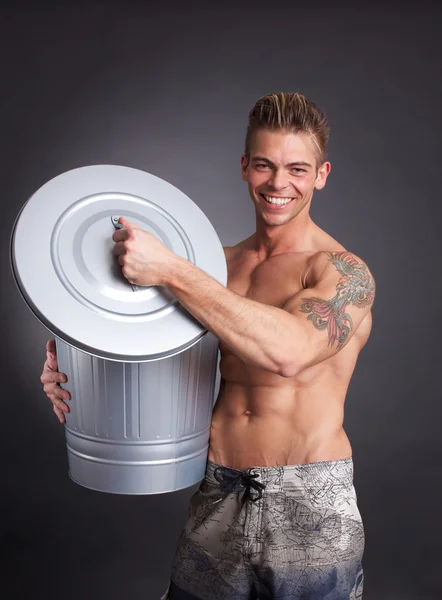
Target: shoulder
[
  {"x": 232, "y": 252},
  {"x": 229, "y": 252},
  {"x": 346, "y": 271},
  {"x": 336, "y": 257}
]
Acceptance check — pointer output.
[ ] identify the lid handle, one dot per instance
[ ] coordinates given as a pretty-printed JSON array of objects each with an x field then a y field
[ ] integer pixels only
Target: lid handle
[{"x": 118, "y": 225}]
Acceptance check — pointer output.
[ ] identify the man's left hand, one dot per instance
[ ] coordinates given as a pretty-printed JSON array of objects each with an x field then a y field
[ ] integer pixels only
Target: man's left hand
[{"x": 144, "y": 259}]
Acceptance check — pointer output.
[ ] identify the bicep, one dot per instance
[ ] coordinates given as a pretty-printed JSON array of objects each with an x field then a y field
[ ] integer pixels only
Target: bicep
[{"x": 330, "y": 311}]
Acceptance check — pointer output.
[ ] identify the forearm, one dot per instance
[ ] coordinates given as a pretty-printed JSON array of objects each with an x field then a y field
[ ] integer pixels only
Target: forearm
[{"x": 259, "y": 334}]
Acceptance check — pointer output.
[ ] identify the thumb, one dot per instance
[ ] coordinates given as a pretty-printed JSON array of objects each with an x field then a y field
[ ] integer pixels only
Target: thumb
[
  {"x": 51, "y": 355},
  {"x": 127, "y": 223},
  {"x": 50, "y": 346}
]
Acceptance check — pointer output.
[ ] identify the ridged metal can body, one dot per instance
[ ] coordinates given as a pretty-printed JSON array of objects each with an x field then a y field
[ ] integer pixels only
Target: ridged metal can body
[{"x": 139, "y": 428}]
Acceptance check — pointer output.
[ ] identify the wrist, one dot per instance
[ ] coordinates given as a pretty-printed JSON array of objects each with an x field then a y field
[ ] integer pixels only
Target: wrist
[{"x": 172, "y": 274}]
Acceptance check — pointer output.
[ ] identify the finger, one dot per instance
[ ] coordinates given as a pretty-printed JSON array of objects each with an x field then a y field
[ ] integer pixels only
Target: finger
[
  {"x": 58, "y": 391},
  {"x": 49, "y": 377},
  {"x": 62, "y": 394},
  {"x": 51, "y": 355},
  {"x": 119, "y": 248},
  {"x": 128, "y": 274},
  {"x": 59, "y": 414},
  {"x": 59, "y": 403},
  {"x": 52, "y": 390},
  {"x": 120, "y": 235},
  {"x": 127, "y": 223},
  {"x": 51, "y": 364},
  {"x": 50, "y": 346}
]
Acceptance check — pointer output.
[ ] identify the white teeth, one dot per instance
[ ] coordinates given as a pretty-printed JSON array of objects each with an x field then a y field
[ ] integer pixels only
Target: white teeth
[{"x": 277, "y": 201}]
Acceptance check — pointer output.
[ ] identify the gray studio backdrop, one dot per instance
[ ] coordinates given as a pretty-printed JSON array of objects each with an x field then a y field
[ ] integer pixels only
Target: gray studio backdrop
[{"x": 168, "y": 90}]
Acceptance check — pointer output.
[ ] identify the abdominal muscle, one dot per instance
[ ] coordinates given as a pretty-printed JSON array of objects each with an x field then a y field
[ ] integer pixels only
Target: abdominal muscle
[{"x": 263, "y": 419}]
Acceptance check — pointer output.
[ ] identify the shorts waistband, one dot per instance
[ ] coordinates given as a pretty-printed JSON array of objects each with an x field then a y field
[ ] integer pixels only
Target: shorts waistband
[{"x": 278, "y": 478}]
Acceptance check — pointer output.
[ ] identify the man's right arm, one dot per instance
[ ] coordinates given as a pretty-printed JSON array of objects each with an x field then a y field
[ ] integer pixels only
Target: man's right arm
[{"x": 51, "y": 380}]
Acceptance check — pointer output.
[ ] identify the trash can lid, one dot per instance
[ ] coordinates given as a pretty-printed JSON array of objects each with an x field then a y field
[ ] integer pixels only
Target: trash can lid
[{"x": 63, "y": 261}]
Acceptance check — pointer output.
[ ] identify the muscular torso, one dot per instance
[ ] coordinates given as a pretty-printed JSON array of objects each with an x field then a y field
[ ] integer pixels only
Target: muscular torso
[{"x": 264, "y": 419}]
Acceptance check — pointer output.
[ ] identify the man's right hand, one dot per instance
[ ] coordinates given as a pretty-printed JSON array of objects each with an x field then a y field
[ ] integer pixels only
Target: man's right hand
[{"x": 51, "y": 380}]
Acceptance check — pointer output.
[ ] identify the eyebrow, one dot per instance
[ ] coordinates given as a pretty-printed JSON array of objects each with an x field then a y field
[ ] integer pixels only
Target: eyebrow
[{"x": 293, "y": 164}]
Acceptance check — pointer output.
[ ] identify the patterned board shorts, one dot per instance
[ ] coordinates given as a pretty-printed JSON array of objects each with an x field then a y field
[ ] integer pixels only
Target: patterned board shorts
[{"x": 292, "y": 532}]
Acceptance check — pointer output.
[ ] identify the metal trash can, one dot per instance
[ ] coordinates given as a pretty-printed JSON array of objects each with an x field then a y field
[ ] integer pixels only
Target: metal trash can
[{"x": 142, "y": 371}]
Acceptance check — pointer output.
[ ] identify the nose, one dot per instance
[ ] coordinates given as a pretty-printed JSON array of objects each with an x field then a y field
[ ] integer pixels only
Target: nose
[{"x": 279, "y": 179}]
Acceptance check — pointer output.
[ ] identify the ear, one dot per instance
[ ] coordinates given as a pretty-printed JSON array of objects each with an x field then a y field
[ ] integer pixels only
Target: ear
[
  {"x": 321, "y": 177},
  {"x": 244, "y": 166}
]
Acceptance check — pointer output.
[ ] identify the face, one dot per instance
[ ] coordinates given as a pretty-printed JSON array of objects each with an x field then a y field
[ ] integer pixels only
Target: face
[{"x": 282, "y": 174}]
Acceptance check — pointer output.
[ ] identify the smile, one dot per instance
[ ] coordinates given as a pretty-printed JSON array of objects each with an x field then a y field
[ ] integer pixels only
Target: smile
[{"x": 276, "y": 200}]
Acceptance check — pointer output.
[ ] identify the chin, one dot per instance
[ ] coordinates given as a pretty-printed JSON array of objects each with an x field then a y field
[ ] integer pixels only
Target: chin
[
  {"x": 277, "y": 220},
  {"x": 280, "y": 218}
]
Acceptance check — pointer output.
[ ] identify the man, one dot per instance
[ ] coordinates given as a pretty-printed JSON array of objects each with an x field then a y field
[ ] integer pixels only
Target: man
[{"x": 276, "y": 515}]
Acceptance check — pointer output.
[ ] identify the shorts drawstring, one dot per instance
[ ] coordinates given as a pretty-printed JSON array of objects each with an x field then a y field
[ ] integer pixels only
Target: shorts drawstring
[{"x": 231, "y": 479}]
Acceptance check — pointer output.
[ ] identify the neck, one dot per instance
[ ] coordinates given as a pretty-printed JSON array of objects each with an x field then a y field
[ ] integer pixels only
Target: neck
[{"x": 294, "y": 236}]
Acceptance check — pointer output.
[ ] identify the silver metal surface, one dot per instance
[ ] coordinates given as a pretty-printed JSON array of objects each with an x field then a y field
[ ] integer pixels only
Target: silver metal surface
[
  {"x": 139, "y": 428},
  {"x": 64, "y": 265}
]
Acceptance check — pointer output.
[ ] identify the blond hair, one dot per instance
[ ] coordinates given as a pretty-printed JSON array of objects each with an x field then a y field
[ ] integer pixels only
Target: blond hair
[{"x": 292, "y": 112}]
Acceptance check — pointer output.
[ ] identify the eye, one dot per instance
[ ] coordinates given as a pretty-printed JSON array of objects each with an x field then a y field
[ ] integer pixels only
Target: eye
[
  {"x": 261, "y": 166},
  {"x": 298, "y": 171}
]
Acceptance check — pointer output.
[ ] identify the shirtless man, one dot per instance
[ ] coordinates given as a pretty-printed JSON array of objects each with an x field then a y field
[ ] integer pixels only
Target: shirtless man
[{"x": 276, "y": 515}]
